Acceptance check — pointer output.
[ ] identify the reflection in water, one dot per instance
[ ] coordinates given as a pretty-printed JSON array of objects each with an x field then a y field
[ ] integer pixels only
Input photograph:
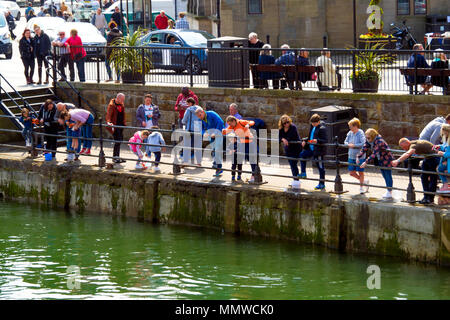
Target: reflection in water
[{"x": 120, "y": 258}]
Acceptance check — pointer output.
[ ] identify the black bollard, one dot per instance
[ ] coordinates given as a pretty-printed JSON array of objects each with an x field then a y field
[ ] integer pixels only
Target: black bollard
[
  {"x": 410, "y": 194},
  {"x": 101, "y": 155},
  {"x": 338, "y": 187}
]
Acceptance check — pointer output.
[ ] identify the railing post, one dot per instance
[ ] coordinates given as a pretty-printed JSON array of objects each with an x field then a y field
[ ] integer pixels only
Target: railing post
[
  {"x": 191, "y": 75},
  {"x": 143, "y": 66},
  {"x": 242, "y": 69},
  {"x": 101, "y": 155},
  {"x": 415, "y": 72},
  {"x": 338, "y": 187},
  {"x": 54, "y": 69},
  {"x": 257, "y": 174},
  {"x": 410, "y": 194},
  {"x": 98, "y": 64},
  {"x": 176, "y": 169}
]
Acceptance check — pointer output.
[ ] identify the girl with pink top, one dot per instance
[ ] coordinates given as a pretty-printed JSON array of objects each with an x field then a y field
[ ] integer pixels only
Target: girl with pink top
[
  {"x": 138, "y": 137},
  {"x": 83, "y": 119}
]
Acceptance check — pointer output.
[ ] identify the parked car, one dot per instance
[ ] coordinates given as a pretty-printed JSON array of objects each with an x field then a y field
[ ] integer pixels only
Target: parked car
[
  {"x": 50, "y": 25},
  {"x": 163, "y": 57},
  {"x": 90, "y": 36},
  {"x": 5, "y": 38},
  {"x": 11, "y": 7}
]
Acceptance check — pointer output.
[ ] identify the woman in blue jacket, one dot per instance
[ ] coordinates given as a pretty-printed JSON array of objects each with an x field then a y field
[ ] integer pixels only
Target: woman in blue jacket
[{"x": 266, "y": 57}]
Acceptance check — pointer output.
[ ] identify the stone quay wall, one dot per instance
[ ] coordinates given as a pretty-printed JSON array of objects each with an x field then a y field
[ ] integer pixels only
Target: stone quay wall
[
  {"x": 394, "y": 116},
  {"x": 337, "y": 222}
]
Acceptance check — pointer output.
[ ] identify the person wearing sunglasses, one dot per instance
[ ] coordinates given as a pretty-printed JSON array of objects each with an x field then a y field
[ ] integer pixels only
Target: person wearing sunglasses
[{"x": 63, "y": 56}]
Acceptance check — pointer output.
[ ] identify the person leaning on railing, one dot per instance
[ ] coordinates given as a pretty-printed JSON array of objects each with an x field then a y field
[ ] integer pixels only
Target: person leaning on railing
[
  {"x": 77, "y": 52},
  {"x": 380, "y": 155},
  {"x": 115, "y": 116},
  {"x": 288, "y": 135},
  {"x": 314, "y": 149},
  {"x": 84, "y": 120},
  {"x": 47, "y": 117},
  {"x": 193, "y": 125},
  {"x": 60, "y": 108},
  {"x": 421, "y": 147},
  {"x": 64, "y": 56},
  {"x": 112, "y": 35}
]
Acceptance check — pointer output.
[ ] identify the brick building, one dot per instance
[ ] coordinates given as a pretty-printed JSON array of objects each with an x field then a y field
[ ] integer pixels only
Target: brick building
[{"x": 304, "y": 23}]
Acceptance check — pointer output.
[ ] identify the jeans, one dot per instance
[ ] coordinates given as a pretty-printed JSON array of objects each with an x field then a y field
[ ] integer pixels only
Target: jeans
[
  {"x": 64, "y": 60},
  {"x": 239, "y": 165},
  {"x": 217, "y": 144},
  {"x": 429, "y": 181},
  {"x": 86, "y": 132},
  {"x": 51, "y": 141},
  {"x": 80, "y": 69},
  {"x": 387, "y": 175},
  {"x": 190, "y": 142},
  {"x": 40, "y": 59},
  {"x": 305, "y": 154},
  {"x": 157, "y": 156},
  {"x": 69, "y": 133},
  {"x": 118, "y": 136},
  {"x": 27, "y": 134},
  {"x": 28, "y": 64},
  {"x": 109, "y": 71},
  {"x": 443, "y": 168},
  {"x": 294, "y": 168}
]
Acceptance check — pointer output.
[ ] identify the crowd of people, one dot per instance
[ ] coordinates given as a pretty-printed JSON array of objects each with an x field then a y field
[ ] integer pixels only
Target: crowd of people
[
  {"x": 235, "y": 137},
  {"x": 35, "y": 50}
]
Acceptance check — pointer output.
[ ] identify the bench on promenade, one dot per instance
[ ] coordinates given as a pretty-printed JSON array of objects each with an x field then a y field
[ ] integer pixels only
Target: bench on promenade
[
  {"x": 284, "y": 69},
  {"x": 425, "y": 72}
]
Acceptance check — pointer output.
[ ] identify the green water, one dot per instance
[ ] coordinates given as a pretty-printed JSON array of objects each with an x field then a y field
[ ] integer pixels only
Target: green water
[{"x": 123, "y": 258}]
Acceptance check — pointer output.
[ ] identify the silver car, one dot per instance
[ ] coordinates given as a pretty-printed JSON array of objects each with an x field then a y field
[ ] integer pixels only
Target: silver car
[{"x": 11, "y": 7}]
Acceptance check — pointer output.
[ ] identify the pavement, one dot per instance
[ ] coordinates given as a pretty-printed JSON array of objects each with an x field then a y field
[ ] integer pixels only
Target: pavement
[{"x": 272, "y": 174}]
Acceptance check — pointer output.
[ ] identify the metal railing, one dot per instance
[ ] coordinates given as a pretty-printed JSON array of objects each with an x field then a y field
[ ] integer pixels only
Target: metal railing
[
  {"x": 177, "y": 165},
  {"x": 230, "y": 67}
]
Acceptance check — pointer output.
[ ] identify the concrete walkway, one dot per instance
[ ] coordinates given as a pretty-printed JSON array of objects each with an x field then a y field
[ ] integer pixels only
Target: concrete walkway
[{"x": 271, "y": 182}]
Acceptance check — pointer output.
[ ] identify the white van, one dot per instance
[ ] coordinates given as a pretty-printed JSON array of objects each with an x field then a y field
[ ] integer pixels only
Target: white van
[{"x": 5, "y": 37}]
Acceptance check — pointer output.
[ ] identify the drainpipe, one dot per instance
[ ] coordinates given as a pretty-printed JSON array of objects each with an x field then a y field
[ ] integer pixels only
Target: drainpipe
[{"x": 218, "y": 18}]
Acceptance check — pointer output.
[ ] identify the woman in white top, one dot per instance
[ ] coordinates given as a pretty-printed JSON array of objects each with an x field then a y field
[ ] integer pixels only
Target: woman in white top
[{"x": 327, "y": 78}]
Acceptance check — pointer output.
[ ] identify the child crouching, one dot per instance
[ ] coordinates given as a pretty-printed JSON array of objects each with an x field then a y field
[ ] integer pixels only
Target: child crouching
[
  {"x": 155, "y": 141},
  {"x": 138, "y": 137}
]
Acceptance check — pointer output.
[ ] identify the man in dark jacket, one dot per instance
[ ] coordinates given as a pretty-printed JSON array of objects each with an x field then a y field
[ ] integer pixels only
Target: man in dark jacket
[
  {"x": 42, "y": 48},
  {"x": 302, "y": 60},
  {"x": 315, "y": 149},
  {"x": 287, "y": 58},
  {"x": 47, "y": 118},
  {"x": 115, "y": 116},
  {"x": 117, "y": 17},
  {"x": 253, "y": 55}
]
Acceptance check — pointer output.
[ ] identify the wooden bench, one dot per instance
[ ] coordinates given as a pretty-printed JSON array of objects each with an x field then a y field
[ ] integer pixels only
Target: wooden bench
[
  {"x": 425, "y": 72},
  {"x": 284, "y": 69}
]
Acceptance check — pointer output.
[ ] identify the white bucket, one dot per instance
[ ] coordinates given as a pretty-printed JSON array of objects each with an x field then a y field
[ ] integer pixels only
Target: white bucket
[{"x": 295, "y": 184}]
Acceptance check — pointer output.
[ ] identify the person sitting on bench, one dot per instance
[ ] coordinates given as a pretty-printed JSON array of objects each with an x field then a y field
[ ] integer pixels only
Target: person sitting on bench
[
  {"x": 419, "y": 62},
  {"x": 440, "y": 62},
  {"x": 330, "y": 79}
]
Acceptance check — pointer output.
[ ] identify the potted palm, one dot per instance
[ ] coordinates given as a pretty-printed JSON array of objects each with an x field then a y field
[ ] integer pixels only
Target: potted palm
[
  {"x": 132, "y": 62},
  {"x": 368, "y": 66}
]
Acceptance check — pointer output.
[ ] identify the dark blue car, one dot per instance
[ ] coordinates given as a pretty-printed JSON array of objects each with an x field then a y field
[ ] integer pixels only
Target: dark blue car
[{"x": 170, "y": 49}]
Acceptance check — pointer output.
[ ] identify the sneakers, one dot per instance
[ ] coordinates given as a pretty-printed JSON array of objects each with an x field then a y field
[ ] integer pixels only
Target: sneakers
[
  {"x": 156, "y": 170},
  {"x": 425, "y": 201},
  {"x": 239, "y": 179},
  {"x": 295, "y": 184},
  {"x": 302, "y": 175},
  {"x": 233, "y": 179},
  {"x": 387, "y": 195},
  {"x": 362, "y": 190},
  {"x": 218, "y": 173},
  {"x": 83, "y": 151},
  {"x": 143, "y": 166},
  {"x": 444, "y": 189},
  {"x": 87, "y": 152},
  {"x": 139, "y": 166},
  {"x": 320, "y": 186}
]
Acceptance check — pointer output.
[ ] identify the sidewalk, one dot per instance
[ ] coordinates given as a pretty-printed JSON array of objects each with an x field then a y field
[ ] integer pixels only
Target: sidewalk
[{"x": 271, "y": 182}]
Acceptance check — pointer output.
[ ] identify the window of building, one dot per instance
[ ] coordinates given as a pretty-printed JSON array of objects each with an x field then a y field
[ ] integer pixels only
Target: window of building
[
  {"x": 420, "y": 6},
  {"x": 402, "y": 7},
  {"x": 254, "y": 6}
]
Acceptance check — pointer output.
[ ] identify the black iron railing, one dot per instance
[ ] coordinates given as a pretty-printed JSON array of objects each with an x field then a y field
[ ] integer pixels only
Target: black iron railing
[
  {"x": 230, "y": 67},
  {"x": 399, "y": 174}
]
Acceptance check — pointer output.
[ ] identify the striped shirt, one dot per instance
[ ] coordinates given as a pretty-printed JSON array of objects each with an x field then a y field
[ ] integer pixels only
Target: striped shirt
[
  {"x": 182, "y": 24},
  {"x": 61, "y": 50}
]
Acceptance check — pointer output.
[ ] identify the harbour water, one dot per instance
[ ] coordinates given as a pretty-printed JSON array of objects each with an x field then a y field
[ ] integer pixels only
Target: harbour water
[{"x": 50, "y": 254}]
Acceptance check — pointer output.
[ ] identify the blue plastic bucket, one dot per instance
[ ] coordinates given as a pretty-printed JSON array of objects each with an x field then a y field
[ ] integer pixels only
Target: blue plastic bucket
[{"x": 48, "y": 157}]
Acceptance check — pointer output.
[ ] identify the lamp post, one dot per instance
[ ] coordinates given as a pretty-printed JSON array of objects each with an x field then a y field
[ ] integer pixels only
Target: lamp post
[
  {"x": 354, "y": 23},
  {"x": 218, "y": 18}
]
